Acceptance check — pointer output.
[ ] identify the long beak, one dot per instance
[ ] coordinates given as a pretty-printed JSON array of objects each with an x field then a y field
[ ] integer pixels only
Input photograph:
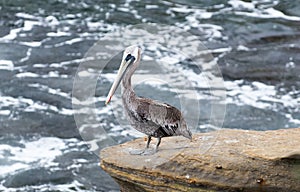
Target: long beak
[{"x": 118, "y": 79}]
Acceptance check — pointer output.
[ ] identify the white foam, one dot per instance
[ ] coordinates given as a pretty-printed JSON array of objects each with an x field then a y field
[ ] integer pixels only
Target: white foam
[
  {"x": 194, "y": 19},
  {"x": 260, "y": 95},
  {"x": 58, "y": 34},
  {"x": 28, "y": 54},
  {"x": 65, "y": 111},
  {"x": 6, "y": 65},
  {"x": 36, "y": 153},
  {"x": 25, "y": 16},
  {"x": 278, "y": 14},
  {"x": 182, "y": 9},
  {"x": 9, "y": 169},
  {"x": 40, "y": 152},
  {"x": 251, "y": 10},
  {"x": 237, "y": 4},
  {"x": 242, "y": 48},
  {"x": 151, "y": 6},
  {"x": 50, "y": 90},
  {"x": 12, "y": 34},
  {"x": 68, "y": 187},
  {"x": 40, "y": 106},
  {"x": 52, "y": 20},
  {"x": 290, "y": 65},
  {"x": 70, "y": 16},
  {"x": 40, "y": 65},
  {"x": 69, "y": 62},
  {"x": 4, "y": 112},
  {"x": 29, "y": 105},
  {"x": 27, "y": 74},
  {"x": 211, "y": 31},
  {"x": 147, "y": 58},
  {"x": 94, "y": 25},
  {"x": 72, "y": 41},
  {"x": 154, "y": 82},
  {"x": 11, "y": 101},
  {"x": 68, "y": 42},
  {"x": 54, "y": 74},
  {"x": 169, "y": 60},
  {"x": 30, "y": 21},
  {"x": 292, "y": 120},
  {"x": 32, "y": 44},
  {"x": 85, "y": 74},
  {"x": 109, "y": 76},
  {"x": 28, "y": 25},
  {"x": 132, "y": 132},
  {"x": 88, "y": 101},
  {"x": 195, "y": 13}
]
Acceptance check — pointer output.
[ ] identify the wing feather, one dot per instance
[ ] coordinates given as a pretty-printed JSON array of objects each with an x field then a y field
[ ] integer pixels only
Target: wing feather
[{"x": 164, "y": 117}]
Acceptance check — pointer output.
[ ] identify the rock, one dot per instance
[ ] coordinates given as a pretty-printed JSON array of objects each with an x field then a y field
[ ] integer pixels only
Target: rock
[{"x": 227, "y": 160}]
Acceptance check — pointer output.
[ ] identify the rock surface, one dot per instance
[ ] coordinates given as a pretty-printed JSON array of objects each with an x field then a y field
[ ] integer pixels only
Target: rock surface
[{"x": 225, "y": 160}]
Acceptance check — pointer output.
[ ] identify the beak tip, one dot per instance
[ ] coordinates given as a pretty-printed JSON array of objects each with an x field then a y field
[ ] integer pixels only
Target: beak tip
[{"x": 107, "y": 100}]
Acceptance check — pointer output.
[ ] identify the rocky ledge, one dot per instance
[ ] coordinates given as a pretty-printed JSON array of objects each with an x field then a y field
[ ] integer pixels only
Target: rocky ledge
[{"x": 225, "y": 160}]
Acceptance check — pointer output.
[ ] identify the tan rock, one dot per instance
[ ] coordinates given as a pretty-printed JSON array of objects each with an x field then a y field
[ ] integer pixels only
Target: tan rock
[{"x": 230, "y": 160}]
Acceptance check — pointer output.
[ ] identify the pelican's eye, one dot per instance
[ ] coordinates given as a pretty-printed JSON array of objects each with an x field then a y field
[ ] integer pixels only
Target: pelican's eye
[{"x": 129, "y": 57}]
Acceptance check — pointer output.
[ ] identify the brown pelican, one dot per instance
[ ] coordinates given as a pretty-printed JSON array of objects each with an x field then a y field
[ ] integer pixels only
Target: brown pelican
[{"x": 150, "y": 117}]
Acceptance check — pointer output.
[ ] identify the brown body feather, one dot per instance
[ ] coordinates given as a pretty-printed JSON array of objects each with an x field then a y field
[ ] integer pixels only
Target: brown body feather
[{"x": 154, "y": 118}]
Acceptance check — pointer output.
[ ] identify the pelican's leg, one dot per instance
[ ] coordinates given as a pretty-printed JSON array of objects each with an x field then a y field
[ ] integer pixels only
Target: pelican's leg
[
  {"x": 157, "y": 144},
  {"x": 144, "y": 151},
  {"x": 148, "y": 142}
]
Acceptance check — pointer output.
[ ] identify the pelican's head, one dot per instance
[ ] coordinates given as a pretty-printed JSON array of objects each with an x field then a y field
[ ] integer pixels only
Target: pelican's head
[{"x": 131, "y": 57}]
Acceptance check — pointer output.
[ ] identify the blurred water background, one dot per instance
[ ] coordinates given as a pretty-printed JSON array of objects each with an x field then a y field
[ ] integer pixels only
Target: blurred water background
[{"x": 256, "y": 44}]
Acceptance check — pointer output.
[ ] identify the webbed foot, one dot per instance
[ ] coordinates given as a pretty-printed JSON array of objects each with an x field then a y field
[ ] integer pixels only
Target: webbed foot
[
  {"x": 137, "y": 151},
  {"x": 147, "y": 151}
]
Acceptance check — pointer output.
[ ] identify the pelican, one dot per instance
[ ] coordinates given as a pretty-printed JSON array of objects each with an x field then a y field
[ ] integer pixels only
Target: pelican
[{"x": 148, "y": 116}]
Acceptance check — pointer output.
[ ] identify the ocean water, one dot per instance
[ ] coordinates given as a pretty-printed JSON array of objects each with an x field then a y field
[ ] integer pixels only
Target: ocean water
[{"x": 255, "y": 45}]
